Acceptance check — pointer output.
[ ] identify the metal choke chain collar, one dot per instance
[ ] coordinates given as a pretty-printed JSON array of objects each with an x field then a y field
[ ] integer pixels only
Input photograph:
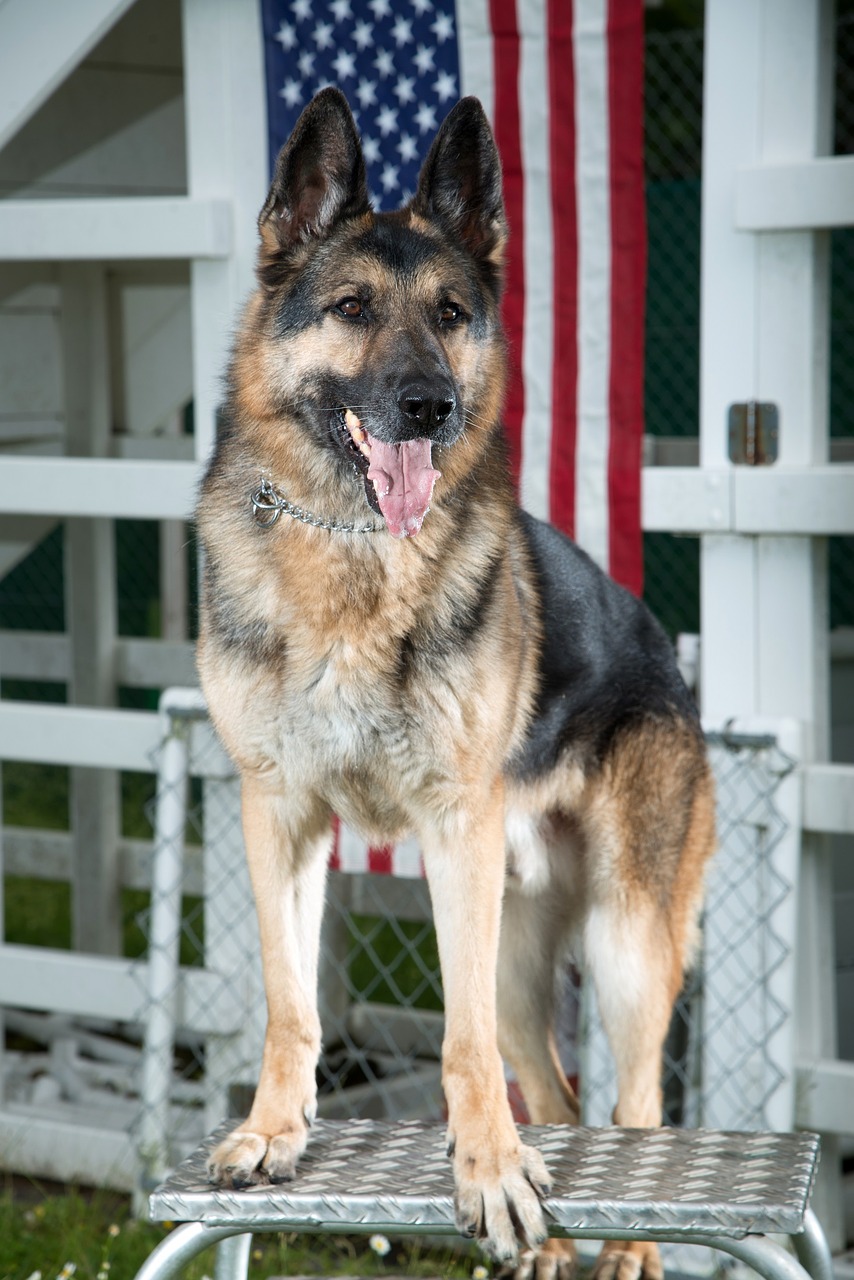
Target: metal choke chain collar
[{"x": 268, "y": 504}]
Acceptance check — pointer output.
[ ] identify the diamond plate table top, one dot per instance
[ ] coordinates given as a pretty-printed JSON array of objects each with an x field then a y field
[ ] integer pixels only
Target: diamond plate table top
[{"x": 368, "y": 1175}]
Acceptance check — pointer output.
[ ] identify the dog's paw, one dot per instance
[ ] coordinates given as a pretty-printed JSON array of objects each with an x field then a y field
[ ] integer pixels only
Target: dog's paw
[
  {"x": 244, "y": 1158},
  {"x": 629, "y": 1260},
  {"x": 554, "y": 1260},
  {"x": 497, "y": 1199}
]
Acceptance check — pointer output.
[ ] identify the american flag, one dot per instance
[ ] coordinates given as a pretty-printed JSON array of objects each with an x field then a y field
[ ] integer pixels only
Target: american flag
[{"x": 562, "y": 83}]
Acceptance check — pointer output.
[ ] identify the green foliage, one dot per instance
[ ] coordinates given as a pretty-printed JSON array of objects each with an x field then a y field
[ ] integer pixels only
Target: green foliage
[
  {"x": 51, "y": 1233},
  {"x": 92, "y": 1236},
  {"x": 394, "y": 961}
]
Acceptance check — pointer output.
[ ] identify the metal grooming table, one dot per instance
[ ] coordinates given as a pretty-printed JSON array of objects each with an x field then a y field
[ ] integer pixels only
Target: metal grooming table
[{"x": 724, "y": 1190}]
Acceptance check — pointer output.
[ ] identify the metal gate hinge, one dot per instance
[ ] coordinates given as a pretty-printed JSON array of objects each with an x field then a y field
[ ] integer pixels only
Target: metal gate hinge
[{"x": 754, "y": 430}]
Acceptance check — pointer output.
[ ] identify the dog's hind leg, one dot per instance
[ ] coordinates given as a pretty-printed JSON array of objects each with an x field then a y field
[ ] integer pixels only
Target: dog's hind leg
[
  {"x": 532, "y": 936},
  {"x": 651, "y": 846},
  {"x": 630, "y": 957},
  {"x": 288, "y": 872}
]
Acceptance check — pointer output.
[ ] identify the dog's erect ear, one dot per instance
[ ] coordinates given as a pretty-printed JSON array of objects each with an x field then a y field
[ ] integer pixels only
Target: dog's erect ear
[
  {"x": 319, "y": 178},
  {"x": 460, "y": 183}
]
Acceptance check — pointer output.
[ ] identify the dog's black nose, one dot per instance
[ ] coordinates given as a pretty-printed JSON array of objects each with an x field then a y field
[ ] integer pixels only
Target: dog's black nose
[{"x": 426, "y": 404}]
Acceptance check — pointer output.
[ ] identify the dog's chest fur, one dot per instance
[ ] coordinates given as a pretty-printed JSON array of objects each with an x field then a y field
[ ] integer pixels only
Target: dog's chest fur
[{"x": 339, "y": 694}]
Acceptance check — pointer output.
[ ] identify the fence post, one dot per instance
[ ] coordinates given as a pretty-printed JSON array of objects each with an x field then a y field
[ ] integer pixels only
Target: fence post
[
  {"x": 167, "y": 874},
  {"x": 91, "y": 609}
]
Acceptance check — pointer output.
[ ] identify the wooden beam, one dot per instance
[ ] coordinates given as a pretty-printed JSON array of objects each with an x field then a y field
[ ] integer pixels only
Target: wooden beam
[
  {"x": 807, "y": 196},
  {"x": 825, "y": 1096},
  {"x": 101, "y": 230},
  {"x": 685, "y": 500},
  {"x": 91, "y": 607},
  {"x": 110, "y": 987},
  {"x": 95, "y": 738},
  {"x": 140, "y": 663},
  {"x": 226, "y": 122},
  {"x": 50, "y": 1147},
  {"x": 829, "y": 798},
  {"x": 793, "y": 500},
  {"x": 41, "y": 42},
  {"x": 98, "y": 487},
  {"x": 101, "y": 738}
]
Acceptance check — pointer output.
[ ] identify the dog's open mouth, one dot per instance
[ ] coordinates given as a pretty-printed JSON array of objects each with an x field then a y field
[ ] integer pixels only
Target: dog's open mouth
[{"x": 399, "y": 478}]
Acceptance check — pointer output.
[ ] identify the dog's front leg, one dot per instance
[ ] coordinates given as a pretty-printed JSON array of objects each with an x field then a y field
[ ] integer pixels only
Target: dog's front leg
[
  {"x": 498, "y": 1180},
  {"x": 287, "y": 859}
]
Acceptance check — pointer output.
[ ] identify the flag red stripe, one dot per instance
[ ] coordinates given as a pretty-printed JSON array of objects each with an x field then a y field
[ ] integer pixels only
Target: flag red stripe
[
  {"x": 565, "y": 263},
  {"x": 508, "y": 135},
  {"x": 628, "y": 273},
  {"x": 335, "y": 855},
  {"x": 379, "y": 860}
]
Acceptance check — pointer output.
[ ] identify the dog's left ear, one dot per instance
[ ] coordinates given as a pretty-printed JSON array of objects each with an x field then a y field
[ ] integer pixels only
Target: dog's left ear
[
  {"x": 319, "y": 177},
  {"x": 460, "y": 183}
]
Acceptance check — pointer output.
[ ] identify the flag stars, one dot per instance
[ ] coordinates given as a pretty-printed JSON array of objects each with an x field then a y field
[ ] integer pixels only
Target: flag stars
[
  {"x": 425, "y": 117},
  {"x": 443, "y": 27},
  {"x": 445, "y": 86},
  {"x": 407, "y": 148},
  {"x": 384, "y": 63},
  {"x": 388, "y": 177},
  {"x": 387, "y": 121},
  {"x": 371, "y": 150},
  {"x": 395, "y": 62},
  {"x": 367, "y": 93},
  {"x": 286, "y": 36},
  {"x": 345, "y": 65},
  {"x": 402, "y": 32},
  {"x": 423, "y": 59},
  {"x": 291, "y": 91}
]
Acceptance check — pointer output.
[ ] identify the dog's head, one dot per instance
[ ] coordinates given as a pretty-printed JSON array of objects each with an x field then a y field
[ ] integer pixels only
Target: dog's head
[{"x": 379, "y": 333}]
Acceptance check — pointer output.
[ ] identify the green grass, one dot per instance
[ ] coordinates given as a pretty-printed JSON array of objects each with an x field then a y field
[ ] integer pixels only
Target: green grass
[
  {"x": 38, "y": 914},
  {"x": 394, "y": 961},
  {"x": 37, "y": 795},
  {"x": 42, "y": 1231}
]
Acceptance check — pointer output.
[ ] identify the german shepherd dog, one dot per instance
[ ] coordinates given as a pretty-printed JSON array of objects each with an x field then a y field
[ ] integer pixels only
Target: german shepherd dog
[{"x": 387, "y": 637}]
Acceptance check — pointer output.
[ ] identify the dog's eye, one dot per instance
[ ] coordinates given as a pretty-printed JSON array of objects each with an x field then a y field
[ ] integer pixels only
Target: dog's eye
[
  {"x": 351, "y": 308},
  {"x": 450, "y": 314}
]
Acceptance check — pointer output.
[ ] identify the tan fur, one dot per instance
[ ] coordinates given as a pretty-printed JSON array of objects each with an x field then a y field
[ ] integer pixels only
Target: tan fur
[{"x": 303, "y": 658}]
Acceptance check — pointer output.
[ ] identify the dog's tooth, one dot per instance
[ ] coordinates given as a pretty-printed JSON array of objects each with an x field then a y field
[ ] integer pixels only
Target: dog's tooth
[
  {"x": 358, "y": 433},
  {"x": 354, "y": 426}
]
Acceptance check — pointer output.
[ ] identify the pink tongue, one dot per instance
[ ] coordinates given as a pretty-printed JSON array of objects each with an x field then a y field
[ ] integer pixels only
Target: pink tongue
[{"x": 403, "y": 479}]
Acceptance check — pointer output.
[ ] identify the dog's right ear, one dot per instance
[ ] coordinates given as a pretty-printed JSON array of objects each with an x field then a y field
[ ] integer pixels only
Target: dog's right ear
[
  {"x": 460, "y": 184},
  {"x": 319, "y": 177}
]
